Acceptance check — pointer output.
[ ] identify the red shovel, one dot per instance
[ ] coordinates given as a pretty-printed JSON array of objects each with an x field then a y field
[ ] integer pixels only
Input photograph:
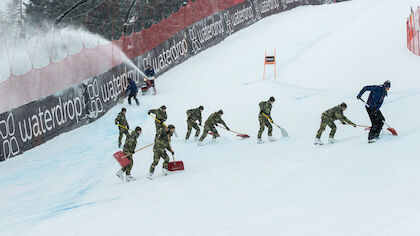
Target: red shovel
[
  {"x": 392, "y": 130},
  {"x": 237, "y": 133},
  {"x": 175, "y": 165},
  {"x": 122, "y": 158}
]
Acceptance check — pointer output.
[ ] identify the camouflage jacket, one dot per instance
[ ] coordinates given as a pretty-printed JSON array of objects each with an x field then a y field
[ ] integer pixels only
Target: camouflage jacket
[
  {"x": 131, "y": 142},
  {"x": 163, "y": 139},
  {"x": 265, "y": 107},
  {"x": 160, "y": 115},
  {"x": 215, "y": 119},
  {"x": 121, "y": 120},
  {"x": 194, "y": 114},
  {"x": 336, "y": 113}
]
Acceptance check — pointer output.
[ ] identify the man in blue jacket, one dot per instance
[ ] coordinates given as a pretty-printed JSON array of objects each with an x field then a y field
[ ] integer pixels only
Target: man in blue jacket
[
  {"x": 132, "y": 90},
  {"x": 374, "y": 103}
]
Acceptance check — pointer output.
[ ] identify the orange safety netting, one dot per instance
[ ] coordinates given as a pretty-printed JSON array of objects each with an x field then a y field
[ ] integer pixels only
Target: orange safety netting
[{"x": 413, "y": 35}]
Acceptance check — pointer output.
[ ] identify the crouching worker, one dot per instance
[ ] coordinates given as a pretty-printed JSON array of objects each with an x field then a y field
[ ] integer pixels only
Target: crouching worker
[
  {"x": 209, "y": 125},
  {"x": 328, "y": 118},
  {"x": 128, "y": 150},
  {"x": 162, "y": 143}
]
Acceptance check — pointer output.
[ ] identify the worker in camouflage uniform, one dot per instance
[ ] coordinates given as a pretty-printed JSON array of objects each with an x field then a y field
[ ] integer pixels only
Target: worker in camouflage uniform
[
  {"x": 213, "y": 120},
  {"x": 265, "y": 111},
  {"x": 162, "y": 143},
  {"x": 161, "y": 115},
  {"x": 128, "y": 150},
  {"x": 194, "y": 115},
  {"x": 328, "y": 118},
  {"x": 123, "y": 126}
]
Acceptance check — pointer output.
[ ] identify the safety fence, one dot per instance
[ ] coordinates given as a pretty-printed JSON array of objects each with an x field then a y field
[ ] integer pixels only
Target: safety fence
[
  {"x": 83, "y": 87},
  {"x": 413, "y": 35},
  {"x": 51, "y": 60}
]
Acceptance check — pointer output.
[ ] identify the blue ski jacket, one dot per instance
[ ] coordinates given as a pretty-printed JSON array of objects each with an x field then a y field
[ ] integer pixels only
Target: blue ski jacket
[
  {"x": 132, "y": 87},
  {"x": 376, "y": 97}
]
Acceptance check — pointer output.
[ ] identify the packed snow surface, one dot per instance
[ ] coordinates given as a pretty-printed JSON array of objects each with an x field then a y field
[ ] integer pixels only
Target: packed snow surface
[{"x": 326, "y": 54}]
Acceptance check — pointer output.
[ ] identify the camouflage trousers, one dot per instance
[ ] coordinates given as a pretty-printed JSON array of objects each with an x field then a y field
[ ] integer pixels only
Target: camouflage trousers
[
  {"x": 263, "y": 123},
  {"x": 206, "y": 130},
  {"x": 127, "y": 169},
  {"x": 191, "y": 124},
  {"x": 324, "y": 122},
  {"x": 158, "y": 126},
  {"x": 159, "y": 153},
  {"x": 122, "y": 132}
]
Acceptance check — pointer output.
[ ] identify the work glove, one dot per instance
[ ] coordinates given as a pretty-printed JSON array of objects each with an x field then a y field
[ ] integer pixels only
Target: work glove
[
  {"x": 343, "y": 123},
  {"x": 199, "y": 123},
  {"x": 148, "y": 112},
  {"x": 172, "y": 152},
  {"x": 227, "y": 128},
  {"x": 358, "y": 97},
  {"x": 128, "y": 127},
  {"x": 354, "y": 125},
  {"x": 116, "y": 123}
]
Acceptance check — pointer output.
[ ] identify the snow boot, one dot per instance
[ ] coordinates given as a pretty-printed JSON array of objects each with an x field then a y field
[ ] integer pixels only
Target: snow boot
[
  {"x": 259, "y": 141},
  {"x": 165, "y": 172},
  {"x": 200, "y": 143},
  {"x": 120, "y": 174},
  {"x": 271, "y": 139},
  {"x": 129, "y": 178},
  {"x": 374, "y": 140},
  {"x": 150, "y": 176},
  {"x": 318, "y": 141},
  {"x": 332, "y": 140}
]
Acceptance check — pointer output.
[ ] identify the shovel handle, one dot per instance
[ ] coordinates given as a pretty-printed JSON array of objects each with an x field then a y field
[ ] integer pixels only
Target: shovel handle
[
  {"x": 228, "y": 130},
  {"x": 278, "y": 126},
  {"x": 141, "y": 149},
  {"x": 124, "y": 127},
  {"x": 162, "y": 124},
  {"x": 364, "y": 126}
]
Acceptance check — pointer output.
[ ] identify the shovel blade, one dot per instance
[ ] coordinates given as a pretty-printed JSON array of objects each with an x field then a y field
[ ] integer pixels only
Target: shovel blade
[
  {"x": 284, "y": 133},
  {"x": 393, "y": 132},
  {"x": 175, "y": 166},
  {"x": 243, "y": 135},
  {"x": 121, "y": 158}
]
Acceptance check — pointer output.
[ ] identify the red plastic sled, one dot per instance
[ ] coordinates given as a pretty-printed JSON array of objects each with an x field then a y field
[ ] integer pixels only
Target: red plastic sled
[
  {"x": 175, "y": 165},
  {"x": 121, "y": 158}
]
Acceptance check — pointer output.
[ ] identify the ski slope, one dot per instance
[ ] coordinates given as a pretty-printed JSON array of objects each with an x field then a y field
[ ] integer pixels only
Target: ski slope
[{"x": 326, "y": 54}]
